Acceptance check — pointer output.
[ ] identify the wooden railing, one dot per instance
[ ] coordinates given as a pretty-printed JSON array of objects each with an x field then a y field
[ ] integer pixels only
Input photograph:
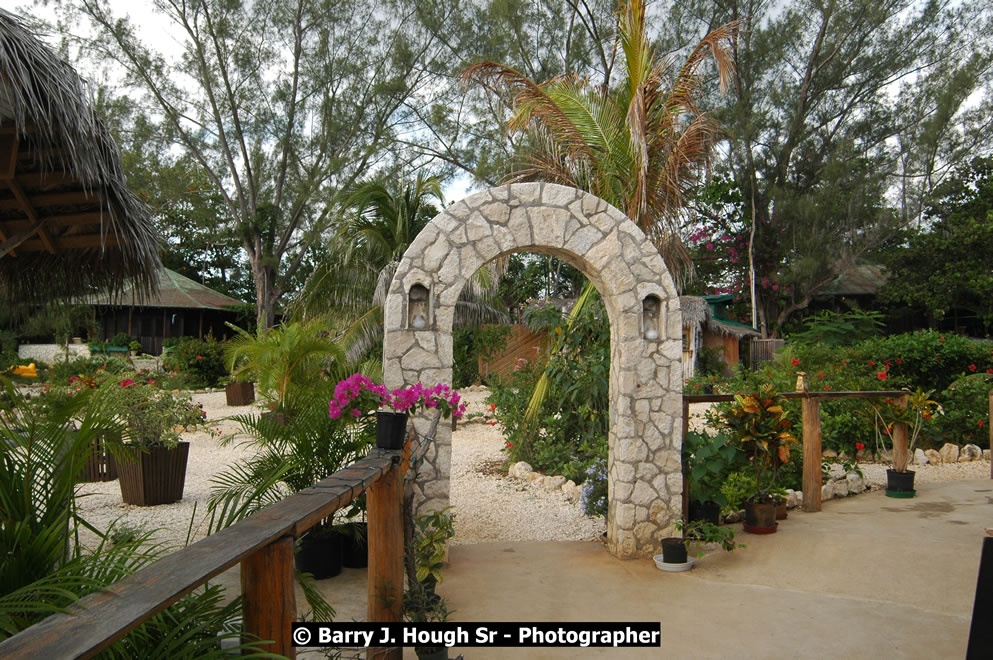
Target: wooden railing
[
  {"x": 811, "y": 436},
  {"x": 263, "y": 545}
]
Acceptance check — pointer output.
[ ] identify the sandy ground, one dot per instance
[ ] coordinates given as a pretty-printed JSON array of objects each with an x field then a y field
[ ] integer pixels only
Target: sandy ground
[{"x": 489, "y": 506}]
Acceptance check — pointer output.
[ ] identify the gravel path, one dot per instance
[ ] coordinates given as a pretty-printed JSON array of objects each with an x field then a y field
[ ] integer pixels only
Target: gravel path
[{"x": 490, "y": 506}]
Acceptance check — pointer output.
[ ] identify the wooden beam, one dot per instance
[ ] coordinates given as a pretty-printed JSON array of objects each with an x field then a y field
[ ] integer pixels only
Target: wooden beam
[
  {"x": 8, "y": 156},
  {"x": 269, "y": 606},
  {"x": 37, "y": 223},
  {"x": 76, "y": 242},
  {"x": 39, "y": 179},
  {"x": 686, "y": 481},
  {"x": 385, "y": 502},
  {"x": 54, "y": 199}
]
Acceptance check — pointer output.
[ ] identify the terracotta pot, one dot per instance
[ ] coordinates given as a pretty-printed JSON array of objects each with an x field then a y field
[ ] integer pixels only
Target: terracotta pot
[{"x": 760, "y": 517}]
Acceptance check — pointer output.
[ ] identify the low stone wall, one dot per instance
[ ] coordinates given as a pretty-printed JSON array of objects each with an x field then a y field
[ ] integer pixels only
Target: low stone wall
[{"x": 51, "y": 353}]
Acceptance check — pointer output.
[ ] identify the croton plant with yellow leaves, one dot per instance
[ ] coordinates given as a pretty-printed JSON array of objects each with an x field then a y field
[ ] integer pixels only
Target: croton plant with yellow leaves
[{"x": 760, "y": 424}]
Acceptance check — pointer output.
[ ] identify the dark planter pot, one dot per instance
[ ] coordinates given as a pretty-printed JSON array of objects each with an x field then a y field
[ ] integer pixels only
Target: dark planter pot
[
  {"x": 900, "y": 484},
  {"x": 781, "y": 512},
  {"x": 276, "y": 418},
  {"x": 240, "y": 394},
  {"x": 674, "y": 550},
  {"x": 100, "y": 464},
  {"x": 391, "y": 429},
  {"x": 431, "y": 652},
  {"x": 760, "y": 517},
  {"x": 355, "y": 552},
  {"x": 705, "y": 511},
  {"x": 320, "y": 555},
  {"x": 154, "y": 477}
]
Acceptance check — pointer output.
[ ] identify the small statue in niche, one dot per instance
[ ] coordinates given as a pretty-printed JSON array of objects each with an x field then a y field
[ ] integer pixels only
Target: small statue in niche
[
  {"x": 650, "y": 317},
  {"x": 417, "y": 307}
]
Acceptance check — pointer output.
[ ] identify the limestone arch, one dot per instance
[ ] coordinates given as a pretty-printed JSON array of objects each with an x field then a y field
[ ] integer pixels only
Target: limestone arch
[{"x": 645, "y": 387}]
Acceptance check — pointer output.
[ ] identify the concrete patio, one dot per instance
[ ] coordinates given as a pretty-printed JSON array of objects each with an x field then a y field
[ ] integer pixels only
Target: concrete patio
[{"x": 869, "y": 576}]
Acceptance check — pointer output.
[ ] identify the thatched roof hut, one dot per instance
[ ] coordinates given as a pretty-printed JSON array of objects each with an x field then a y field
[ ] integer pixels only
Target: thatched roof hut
[{"x": 69, "y": 226}]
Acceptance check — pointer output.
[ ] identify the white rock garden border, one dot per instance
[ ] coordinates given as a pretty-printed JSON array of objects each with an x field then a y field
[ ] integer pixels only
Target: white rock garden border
[{"x": 644, "y": 475}]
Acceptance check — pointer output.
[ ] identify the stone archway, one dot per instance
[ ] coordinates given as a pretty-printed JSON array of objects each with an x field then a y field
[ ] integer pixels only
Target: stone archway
[{"x": 644, "y": 467}]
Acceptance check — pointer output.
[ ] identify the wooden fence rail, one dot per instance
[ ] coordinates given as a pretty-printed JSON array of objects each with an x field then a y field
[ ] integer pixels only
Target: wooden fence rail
[
  {"x": 263, "y": 544},
  {"x": 811, "y": 436}
]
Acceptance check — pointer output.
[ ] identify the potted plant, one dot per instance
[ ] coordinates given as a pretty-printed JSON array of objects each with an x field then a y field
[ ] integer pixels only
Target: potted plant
[
  {"x": 708, "y": 460},
  {"x": 425, "y": 559},
  {"x": 135, "y": 347},
  {"x": 239, "y": 393},
  {"x": 357, "y": 395},
  {"x": 291, "y": 357},
  {"x": 152, "y": 463},
  {"x": 760, "y": 425},
  {"x": 119, "y": 343},
  {"x": 290, "y": 457},
  {"x": 920, "y": 408},
  {"x": 696, "y": 536}
]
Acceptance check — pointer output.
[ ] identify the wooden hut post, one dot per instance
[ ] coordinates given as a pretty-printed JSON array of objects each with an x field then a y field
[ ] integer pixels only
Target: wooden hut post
[
  {"x": 811, "y": 438},
  {"x": 267, "y": 583},
  {"x": 990, "y": 425},
  {"x": 686, "y": 481}
]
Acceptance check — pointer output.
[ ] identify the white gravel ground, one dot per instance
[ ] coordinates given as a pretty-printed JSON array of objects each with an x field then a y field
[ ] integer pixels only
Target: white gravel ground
[{"x": 489, "y": 506}]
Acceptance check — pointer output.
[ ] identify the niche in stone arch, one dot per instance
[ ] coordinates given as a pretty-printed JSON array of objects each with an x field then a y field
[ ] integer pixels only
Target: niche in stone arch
[{"x": 645, "y": 389}]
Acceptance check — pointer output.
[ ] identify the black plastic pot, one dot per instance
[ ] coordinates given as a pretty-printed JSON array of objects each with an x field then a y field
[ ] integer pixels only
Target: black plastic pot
[
  {"x": 320, "y": 554},
  {"x": 705, "y": 511},
  {"x": 674, "y": 550},
  {"x": 391, "y": 429},
  {"x": 431, "y": 652},
  {"x": 355, "y": 551},
  {"x": 900, "y": 484}
]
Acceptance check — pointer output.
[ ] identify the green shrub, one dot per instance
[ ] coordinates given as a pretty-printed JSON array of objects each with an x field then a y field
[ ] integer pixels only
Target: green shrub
[
  {"x": 966, "y": 413},
  {"x": 572, "y": 422},
  {"x": 61, "y": 372},
  {"x": 927, "y": 359},
  {"x": 472, "y": 343},
  {"x": 199, "y": 361}
]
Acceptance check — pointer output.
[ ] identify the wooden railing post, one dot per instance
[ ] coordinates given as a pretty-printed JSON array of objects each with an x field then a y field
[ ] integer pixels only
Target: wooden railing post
[
  {"x": 267, "y": 583},
  {"x": 385, "y": 513},
  {"x": 900, "y": 436},
  {"x": 812, "y": 478}
]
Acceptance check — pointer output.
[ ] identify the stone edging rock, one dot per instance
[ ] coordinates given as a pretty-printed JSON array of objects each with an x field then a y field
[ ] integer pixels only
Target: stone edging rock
[{"x": 525, "y": 472}]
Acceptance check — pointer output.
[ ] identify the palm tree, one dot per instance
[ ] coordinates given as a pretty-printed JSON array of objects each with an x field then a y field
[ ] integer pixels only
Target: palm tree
[
  {"x": 350, "y": 285},
  {"x": 640, "y": 146}
]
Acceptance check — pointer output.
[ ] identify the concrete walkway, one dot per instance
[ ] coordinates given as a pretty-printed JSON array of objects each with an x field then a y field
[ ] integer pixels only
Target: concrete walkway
[{"x": 869, "y": 576}]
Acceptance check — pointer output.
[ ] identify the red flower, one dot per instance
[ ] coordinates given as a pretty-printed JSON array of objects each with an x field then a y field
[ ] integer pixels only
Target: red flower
[
  {"x": 493, "y": 407},
  {"x": 881, "y": 375},
  {"x": 926, "y": 415},
  {"x": 871, "y": 363},
  {"x": 989, "y": 371},
  {"x": 859, "y": 446},
  {"x": 899, "y": 360},
  {"x": 127, "y": 382},
  {"x": 820, "y": 374},
  {"x": 827, "y": 387},
  {"x": 510, "y": 444},
  {"x": 981, "y": 422},
  {"x": 492, "y": 423},
  {"x": 796, "y": 362},
  {"x": 972, "y": 367}
]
